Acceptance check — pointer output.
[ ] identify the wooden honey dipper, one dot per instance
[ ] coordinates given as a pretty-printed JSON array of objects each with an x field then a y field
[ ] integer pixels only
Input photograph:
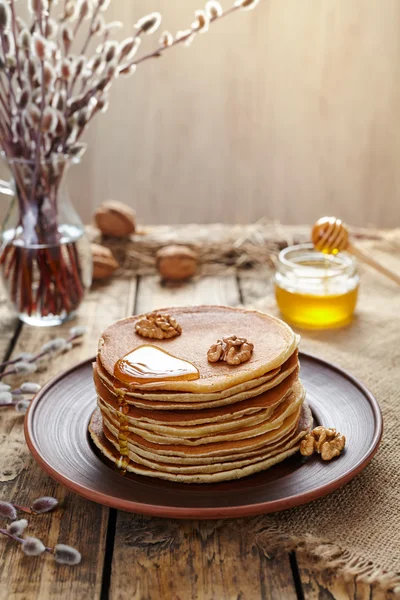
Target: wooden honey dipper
[{"x": 330, "y": 235}]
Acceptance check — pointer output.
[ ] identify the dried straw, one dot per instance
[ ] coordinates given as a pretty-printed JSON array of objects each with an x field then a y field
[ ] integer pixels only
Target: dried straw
[{"x": 221, "y": 249}]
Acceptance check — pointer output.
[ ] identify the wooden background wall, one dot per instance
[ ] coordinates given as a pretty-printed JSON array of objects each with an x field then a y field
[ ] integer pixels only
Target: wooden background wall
[{"x": 287, "y": 112}]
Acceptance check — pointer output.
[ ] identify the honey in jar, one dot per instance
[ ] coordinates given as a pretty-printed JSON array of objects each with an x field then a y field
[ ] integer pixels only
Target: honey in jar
[{"x": 315, "y": 290}]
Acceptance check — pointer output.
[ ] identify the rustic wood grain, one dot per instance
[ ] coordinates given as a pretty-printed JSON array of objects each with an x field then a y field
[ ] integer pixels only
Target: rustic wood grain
[
  {"x": 284, "y": 112},
  {"x": 77, "y": 522},
  {"x": 328, "y": 586},
  {"x": 190, "y": 560},
  {"x": 8, "y": 323},
  {"x": 152, "y": 293},
  {"x": 256, "y": 291}
]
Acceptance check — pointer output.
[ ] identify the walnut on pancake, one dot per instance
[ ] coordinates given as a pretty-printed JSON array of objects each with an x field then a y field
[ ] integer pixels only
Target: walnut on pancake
[
  {"x": 231, "y": 349},
  {"x": 158, "y": 326},
  {"x": 323, "y": 440}
]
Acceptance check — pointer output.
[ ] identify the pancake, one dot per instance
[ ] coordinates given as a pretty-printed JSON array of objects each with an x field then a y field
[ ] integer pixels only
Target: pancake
[
  {"x": 285, "y": 408},
  {"x": 219, "y": 448},
  {"x": 202, "y": 326},
  {"x": 209, "y": 419},
  {"x": 274, "y": 437},
  {"x": 171, "y": 402},
  {"x": 287, "y": 428},
  {"x": 197, "y": 430},
  {"x": 206, "y": 473},
  {"x": 216, "y": 467},
  {"x": 159, "y": 396}
]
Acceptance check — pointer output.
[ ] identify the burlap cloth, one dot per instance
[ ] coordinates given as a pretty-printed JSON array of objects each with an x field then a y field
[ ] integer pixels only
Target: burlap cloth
[{"x": 356, "y": 529}]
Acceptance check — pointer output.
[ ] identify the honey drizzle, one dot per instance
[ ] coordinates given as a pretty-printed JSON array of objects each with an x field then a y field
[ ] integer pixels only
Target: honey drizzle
[
  {"x": 149, "y": 364},
  {"x": 144, "y": 364},
  {"x": 123, "y": 410}
]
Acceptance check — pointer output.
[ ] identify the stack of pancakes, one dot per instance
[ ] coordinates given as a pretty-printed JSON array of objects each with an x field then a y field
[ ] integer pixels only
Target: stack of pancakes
[{"x": 234, "y": 420}]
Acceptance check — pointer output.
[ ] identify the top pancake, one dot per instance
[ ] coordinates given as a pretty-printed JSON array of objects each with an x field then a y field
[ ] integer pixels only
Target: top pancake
[{"x": 202, "y": 326}]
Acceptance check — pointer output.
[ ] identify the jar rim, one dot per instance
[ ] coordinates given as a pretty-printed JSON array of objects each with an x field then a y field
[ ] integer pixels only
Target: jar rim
[{"x": 342, "y": 262}]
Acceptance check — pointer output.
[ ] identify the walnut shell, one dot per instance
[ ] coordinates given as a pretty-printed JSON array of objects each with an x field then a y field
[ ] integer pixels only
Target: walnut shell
[
  {"x": 115, "y": 218},
  {"x": 104, "y": 263},
  {"x": 176, "y": 263}
]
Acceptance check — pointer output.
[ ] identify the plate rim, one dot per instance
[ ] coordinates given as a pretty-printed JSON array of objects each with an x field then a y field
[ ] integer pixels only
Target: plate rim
[{"x": 244, "y": 510}]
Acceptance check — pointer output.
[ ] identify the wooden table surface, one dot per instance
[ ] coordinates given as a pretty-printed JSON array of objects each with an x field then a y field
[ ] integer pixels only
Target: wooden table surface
[{"x": 128, "y": 556}]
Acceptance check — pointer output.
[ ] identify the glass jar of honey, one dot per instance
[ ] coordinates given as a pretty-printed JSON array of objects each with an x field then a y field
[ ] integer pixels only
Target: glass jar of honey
[{"x": 316, "y": 290}]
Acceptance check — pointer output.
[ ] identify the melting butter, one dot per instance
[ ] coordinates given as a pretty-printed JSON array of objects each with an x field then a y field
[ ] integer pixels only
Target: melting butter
[{"x": 148, "y": 364}]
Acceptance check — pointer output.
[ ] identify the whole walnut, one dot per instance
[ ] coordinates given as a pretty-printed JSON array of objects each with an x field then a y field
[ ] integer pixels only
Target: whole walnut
[
  {"x": 326, "y": 441},
  {"x": 115, "y": 218},
  {"x": 104, "y": 263},
  {"x": 231, "y": 349},
  {"x": 176, "y": 263}
]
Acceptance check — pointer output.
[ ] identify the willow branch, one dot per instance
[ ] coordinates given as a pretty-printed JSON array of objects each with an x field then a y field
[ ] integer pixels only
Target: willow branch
[
  {"x": 14, "y": 32},
  {"x": 6, "y": 109},
  {"x": 90, "y": 32},
  {"x": 8, "y": 75},
  {"x": 161, "y": 49},
  {"x": 39, "y": 137}
]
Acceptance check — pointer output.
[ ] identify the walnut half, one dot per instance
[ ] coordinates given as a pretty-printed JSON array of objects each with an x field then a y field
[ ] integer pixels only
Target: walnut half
[
  {"x": 324, "y": 440},
  {"x": 158, "y": 326},
  {"x": 231, "y": 349}
]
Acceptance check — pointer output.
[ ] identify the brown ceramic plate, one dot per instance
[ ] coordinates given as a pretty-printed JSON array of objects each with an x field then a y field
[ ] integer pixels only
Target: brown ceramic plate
[{"x": 56, "y": 433}]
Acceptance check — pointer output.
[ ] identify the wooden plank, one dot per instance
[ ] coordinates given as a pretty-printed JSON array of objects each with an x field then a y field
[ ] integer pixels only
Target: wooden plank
[
  {"x": 257, "y": 291},
  {"x": 8, "y": 324},
  {"x": 77, "y": 522},
  {"x": 207, "y": 290},
  {"x": 327, "y": 586},
  {"x": 188, "y": 560}
]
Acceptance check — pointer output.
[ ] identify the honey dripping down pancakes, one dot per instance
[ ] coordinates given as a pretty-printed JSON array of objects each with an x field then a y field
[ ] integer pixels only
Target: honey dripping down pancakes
[{"x": 198, "y": 394}]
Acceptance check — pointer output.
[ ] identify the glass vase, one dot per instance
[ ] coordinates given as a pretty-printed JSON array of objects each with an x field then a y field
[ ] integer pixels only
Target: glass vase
[{"x": 45, "y": 259}]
